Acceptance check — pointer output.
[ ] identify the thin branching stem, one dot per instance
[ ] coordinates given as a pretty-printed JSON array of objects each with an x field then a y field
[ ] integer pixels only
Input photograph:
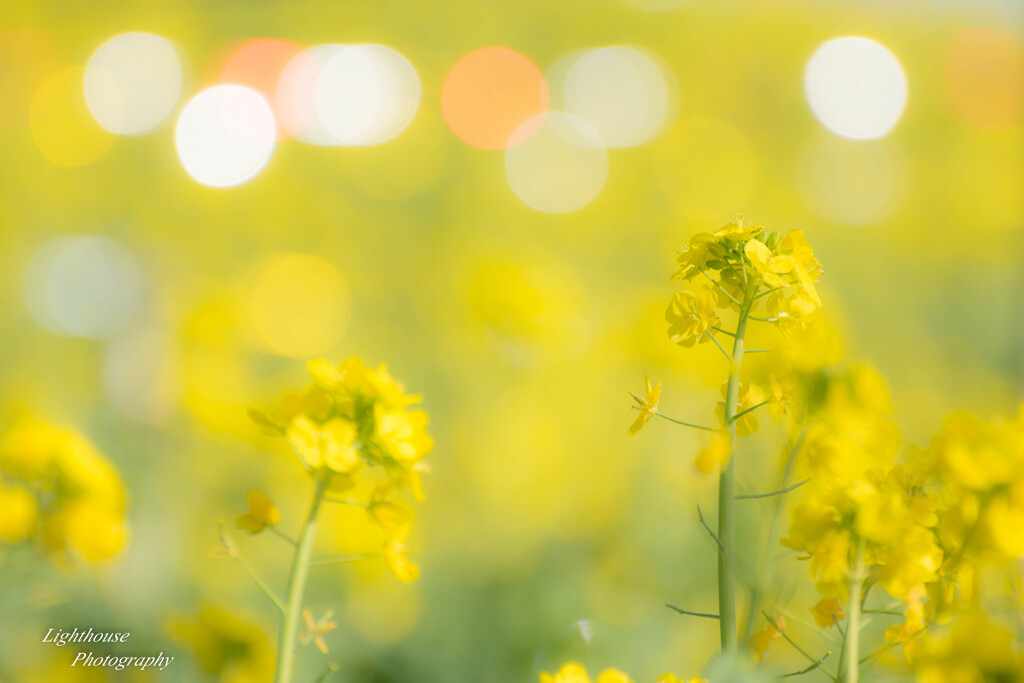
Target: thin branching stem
[
  {"x": 810, "y": 668},
  {"x": 700, "y": 516},
  {"x": 876, "y": 653},
  {"x": 721, "y": 288},
  {"x": 752, "y": 496},
  {"x": 805, "y": 653},
  {"x": 721, "y": 348},
  {"x": 719, "y": 329},
  {"x": 685, "y": 424},
  {"x": 767, "y": 292},
  {"x": 339, "y": 559},
  {"x": 282, "y": 535},
  {"x": 688, "y": 613},
  {"x": 748, "y": 410},
  {"x": 259, "y": 582}
]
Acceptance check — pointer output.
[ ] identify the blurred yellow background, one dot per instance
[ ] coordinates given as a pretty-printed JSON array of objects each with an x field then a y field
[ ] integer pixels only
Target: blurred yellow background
[{"x": 148, "y": 309}]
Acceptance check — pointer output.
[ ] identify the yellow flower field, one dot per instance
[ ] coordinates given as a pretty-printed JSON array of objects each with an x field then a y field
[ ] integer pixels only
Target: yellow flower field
[{"x": 580, "y": 342}]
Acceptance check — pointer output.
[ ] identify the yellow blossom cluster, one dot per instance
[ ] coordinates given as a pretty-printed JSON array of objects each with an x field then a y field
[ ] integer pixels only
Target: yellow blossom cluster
[
  {"x": 225, "y": 646},
  {"x": 354, "y": 422},
  {"x": 59, "y": 493},
  {"x": 746, "y": 267},
  {"x": 574, "y": 672},
  {"x": 860, "y": 509},
  {"x": 739, "y": 260},
  {"x": 973, "y": 650}
]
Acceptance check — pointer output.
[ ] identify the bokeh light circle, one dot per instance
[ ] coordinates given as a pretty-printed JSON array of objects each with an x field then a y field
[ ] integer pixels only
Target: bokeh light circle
[
  {"x": 845, "y": 182},
  {"x": 132, "y": 82},
  {"x": 556, "y": 162},
  {"x": 855, "y": 87},
  {"x": 225, "y": 135},
  {"x": 296, "y": 97},
  {"x": 621, "y": 91},
  {"x": 142, "y": 374},
  {"x": 984, "y": 77},
  {"x": 367, "y": 94},
  {"x": 28, "y": 56},
  {"x": 82, "y": 286},
  {"x": 259, "y": 64},
  {"x": 301, "y": 305},
  {"x": 61, "y": 124},
  {"x": 490, "y": 94}
]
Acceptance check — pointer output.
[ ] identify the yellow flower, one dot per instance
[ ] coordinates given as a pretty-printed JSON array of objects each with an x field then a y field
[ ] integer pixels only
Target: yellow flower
[
  {"x": 672, "y": 678},
  {"x": 760, "y": 640},
  {"x": 827, "y": 612},
  {"x": 780, "y": 400},
  {"x": 648, "y": 406},
  {"x": 396, "y": 557},
  {"x": 693, "y": 259},
  {"x": 403, "y": 433},
  {"x": 715, "y": 454},
  {"x": 807, "y": 268},
  {"x": 749, "y": 397},
  {"x": 225, "y": 647},
  {"x": 613, "y": 676},
  {"x": 330, "y": 445},
  {"x": 735, "y": 231},
  {"x": 571, "y": 672},
  {"x": 60, "y": 490},
  {"x": 261, "y": 514},
  {"x": 769, "y": 267},
  {"x": 316, "y": 628},
  {"x": 19, "y": 513},
  {"x": 793, "y": 315},
  {"x": 913, "y": 625},
  {"x": 691, "y": 317},
  {"x": 391, "y": 516}
]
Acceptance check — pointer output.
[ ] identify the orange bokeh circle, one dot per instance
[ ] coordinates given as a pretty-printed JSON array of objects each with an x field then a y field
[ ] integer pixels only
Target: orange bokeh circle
[
  {"x": 490, "y": 93},
  {"x": 258, "y": 64}
]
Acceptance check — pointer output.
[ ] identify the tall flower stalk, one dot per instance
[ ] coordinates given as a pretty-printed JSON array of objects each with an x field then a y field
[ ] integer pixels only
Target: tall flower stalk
[
  {"x": 352, "y": 430},
  {"x": 744, "y": 266}
]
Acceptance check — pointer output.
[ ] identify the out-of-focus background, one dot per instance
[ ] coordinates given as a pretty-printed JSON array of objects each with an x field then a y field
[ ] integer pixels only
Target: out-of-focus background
[{"x": 198, "y": 197}]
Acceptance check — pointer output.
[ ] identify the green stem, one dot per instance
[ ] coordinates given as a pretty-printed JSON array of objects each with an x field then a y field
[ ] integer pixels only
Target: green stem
[
  {"x": 851, "y": 652},
  {"x": 296, "y": 588},
  {"x": 727, "y": 495},
  {"x": 767, "y": 567}
]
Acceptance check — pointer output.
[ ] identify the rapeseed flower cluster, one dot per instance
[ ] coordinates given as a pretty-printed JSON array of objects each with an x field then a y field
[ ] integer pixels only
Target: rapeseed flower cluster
[
  {"x": 923, "y": 530},
  {"x": 745, "y": 274},
  {"x": 352, "y": 428},
  {"x": 60, "y": 494},
  {"x": 574, "y": 672},
  {"x": 354, "y": 422}
]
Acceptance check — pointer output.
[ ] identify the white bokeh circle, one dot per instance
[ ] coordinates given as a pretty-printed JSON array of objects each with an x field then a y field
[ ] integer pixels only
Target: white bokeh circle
[
  {"x": 225, "y": 135},
  {"x": 556, "y": 163},
  {"x": 855, "y": 87},
  {"x": 132, "y": 82}
]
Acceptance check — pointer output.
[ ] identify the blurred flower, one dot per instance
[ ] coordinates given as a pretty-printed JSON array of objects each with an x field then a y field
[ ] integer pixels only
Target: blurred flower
[
  {"x": 691, "y": 317},
  {"x": 316, "y": 628},
  {"x": 762, "y": 638},
  {"x": 231, "y": 649},
  {"x": 770, "y": 268},
  {"x": 261, "y": 514},
  {"x": 828, "y": 612},
  {"x": 57, "y": 490},
  {"x": 648, "y": 406},
  {"x": 749, "y": 398},
  {"x": 573, "y": 672},
  {"x": 715, "y": 454}
]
